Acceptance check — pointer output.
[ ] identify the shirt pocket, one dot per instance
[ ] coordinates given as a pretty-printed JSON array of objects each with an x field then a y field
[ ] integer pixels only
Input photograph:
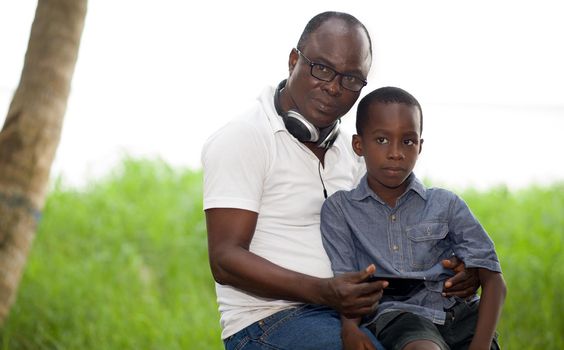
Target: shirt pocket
[{"x": 427, "y": 244}]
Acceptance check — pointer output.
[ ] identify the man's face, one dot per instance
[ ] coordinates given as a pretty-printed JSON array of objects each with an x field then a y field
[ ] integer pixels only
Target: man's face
[
  {"x": 390, "y": 144},
  {"x": 337, "y": 45}
]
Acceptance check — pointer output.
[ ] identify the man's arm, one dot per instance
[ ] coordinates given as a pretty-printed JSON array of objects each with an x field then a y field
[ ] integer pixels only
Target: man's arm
[
  {"x": 464, "y": 283},
  {"x": 491, "y": 301},
  {"x": 229, "y": 236}
]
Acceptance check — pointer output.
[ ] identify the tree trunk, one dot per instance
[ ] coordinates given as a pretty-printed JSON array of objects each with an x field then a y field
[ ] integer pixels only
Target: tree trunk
[{"x": 31, "y": 133}]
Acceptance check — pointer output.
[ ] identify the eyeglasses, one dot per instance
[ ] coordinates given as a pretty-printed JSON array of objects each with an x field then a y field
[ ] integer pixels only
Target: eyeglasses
[{"x": 325, "y": 73}]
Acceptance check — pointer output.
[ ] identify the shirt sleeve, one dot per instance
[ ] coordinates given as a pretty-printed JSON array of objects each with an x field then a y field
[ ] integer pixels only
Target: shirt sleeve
[
  {"x": 471, "y": 241},
  {"x": 337, "y": 236},
  {"x": 235, "y": 163}
]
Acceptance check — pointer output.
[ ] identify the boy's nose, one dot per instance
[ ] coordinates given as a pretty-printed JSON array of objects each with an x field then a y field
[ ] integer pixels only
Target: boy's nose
[{"x": 395, "y": 152}]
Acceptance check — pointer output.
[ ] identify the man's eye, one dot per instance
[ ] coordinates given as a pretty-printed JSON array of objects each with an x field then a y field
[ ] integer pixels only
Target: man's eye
[
  {"x": 350, "y": 78},
  {"x": 322, "y": 68},
  {"x": 382, "y": 140},
  {"x": 409, "y": 142}
]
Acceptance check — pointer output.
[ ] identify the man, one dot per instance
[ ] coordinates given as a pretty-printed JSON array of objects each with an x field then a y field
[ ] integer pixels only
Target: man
[{"x": 266, "y": 176}]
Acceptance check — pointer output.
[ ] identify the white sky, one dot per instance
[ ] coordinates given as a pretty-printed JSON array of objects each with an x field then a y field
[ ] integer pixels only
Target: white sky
[{"x": 156, "y": 78}]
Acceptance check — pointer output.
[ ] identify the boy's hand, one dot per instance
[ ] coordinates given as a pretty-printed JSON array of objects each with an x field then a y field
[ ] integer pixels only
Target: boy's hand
[
  {"x": 464, "y": 283},
  {"x": 357, "y": 340},
  {"x": 354, "y": 338},
  {"x": 351, "y": 295}
]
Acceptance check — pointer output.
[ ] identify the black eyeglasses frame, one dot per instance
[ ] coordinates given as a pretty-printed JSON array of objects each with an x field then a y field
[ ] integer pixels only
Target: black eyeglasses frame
[{"x": 335, "y": 73}]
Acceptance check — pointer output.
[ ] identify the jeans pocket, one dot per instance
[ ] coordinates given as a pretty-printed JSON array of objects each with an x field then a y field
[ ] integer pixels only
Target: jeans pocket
[
  {"x": 256, "y": 335},
  {"x": 273, "y": 321},
  {"x": 237, "y": 341}
]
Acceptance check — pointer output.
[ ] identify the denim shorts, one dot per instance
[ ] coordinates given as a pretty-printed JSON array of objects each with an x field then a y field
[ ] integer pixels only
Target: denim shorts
[
  {"x": 397, "y": 328},
  {"x": 305, "y": 327}
]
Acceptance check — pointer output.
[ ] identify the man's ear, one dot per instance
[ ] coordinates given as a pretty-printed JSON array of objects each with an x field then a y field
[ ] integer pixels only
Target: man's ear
[
  {"x": 420, "y": 145},
  {"x": 293, "y": 60},
  {"x": 357, "y": 145}
]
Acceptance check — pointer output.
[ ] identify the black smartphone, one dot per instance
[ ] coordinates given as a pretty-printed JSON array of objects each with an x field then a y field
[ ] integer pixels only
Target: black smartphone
[{"x": 398, "y": 285}]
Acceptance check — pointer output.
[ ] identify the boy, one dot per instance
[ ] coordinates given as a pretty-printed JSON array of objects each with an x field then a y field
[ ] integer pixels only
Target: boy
[{"x": 393, "y": 221}]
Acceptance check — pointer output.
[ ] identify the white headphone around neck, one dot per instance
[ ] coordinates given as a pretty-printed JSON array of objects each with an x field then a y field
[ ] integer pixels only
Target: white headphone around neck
[{"x": 299, "y": 127}]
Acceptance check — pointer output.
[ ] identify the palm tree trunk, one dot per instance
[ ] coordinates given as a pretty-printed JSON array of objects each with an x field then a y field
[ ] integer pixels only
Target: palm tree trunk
[{"x": 31, "y": 133}]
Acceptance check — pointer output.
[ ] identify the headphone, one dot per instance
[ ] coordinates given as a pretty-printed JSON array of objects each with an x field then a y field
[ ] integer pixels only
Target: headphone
[{"x": 299, "y": 127}]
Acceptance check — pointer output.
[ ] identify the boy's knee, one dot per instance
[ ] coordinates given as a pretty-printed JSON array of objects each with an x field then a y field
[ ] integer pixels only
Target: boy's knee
[{"x": 421, "y": 345}]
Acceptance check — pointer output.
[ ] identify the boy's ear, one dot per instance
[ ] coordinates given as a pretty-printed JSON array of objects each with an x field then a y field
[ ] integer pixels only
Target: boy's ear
[
  {"x": 420, "y": 145},
  {"x": 357, "y": 145}
]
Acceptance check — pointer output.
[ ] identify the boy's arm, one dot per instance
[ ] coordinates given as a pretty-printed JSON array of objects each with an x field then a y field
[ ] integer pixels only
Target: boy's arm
[
  {"x": 353, "y": 337},
  {"x": 491, "y": 301},
  {"x": 472, "y": 245}
]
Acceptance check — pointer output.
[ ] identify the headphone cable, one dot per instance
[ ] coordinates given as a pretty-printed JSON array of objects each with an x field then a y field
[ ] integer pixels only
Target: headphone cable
[{"x": 321, "y": 178}]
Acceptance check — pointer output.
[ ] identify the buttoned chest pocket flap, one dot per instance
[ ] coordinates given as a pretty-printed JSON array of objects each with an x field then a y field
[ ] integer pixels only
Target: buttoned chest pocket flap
[{"x": 427, "y": 244}]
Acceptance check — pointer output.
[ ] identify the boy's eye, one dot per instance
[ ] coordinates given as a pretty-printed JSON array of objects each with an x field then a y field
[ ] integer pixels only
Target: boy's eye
[
  {"x": 382, "y": 140},
  {"x": 409, "y": 142}
]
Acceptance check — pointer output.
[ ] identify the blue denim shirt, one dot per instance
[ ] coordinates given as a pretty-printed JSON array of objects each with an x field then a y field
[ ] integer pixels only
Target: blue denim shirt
[{"x": 427, "y": 225}]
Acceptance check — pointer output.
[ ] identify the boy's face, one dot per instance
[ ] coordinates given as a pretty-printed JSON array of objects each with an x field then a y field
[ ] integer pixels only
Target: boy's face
[{"x": 390, "y": 143}]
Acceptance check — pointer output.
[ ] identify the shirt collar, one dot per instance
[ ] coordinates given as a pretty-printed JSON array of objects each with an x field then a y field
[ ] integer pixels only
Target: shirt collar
[
  {"x": 266, "y": 100},
  {"x": 363, "y": 190}
]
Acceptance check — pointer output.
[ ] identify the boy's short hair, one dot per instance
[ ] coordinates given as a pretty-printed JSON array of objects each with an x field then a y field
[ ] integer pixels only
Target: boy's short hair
[{"x": 388, "y": 94}]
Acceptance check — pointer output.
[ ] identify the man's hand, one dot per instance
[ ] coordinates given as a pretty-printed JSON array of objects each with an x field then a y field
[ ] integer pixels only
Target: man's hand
[
  {"x": 464, "y": 283},
  {"x": 351, "y": 295}
]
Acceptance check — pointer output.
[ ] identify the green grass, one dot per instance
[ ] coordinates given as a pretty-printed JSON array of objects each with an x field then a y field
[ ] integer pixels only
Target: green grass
[
  {"x": 122, "y": 264},
  {"x": 527, "y": 227}
]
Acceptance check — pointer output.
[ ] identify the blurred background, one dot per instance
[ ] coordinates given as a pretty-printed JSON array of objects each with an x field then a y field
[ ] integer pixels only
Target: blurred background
[
  {"x": 156, "y": 79},
  {"x": 120, "y": 256}
]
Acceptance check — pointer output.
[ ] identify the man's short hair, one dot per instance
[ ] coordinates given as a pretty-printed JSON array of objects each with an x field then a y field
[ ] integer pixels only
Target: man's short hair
[
  {"x": 321, "y": 18},
  {"x": 388, "y": 94}
]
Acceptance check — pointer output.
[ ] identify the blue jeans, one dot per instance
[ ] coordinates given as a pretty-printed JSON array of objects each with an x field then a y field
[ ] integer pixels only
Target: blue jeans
[{"x": 305, "y": 327}]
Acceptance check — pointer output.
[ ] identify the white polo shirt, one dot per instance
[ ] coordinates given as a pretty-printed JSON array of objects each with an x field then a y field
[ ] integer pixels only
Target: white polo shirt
[{"x": 254, "y": 163}]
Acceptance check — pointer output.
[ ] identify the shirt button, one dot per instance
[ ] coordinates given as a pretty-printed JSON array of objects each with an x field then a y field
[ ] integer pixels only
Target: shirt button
[
  {"x": 395, "y": 247},
  {"x": 393, "y": 217}
]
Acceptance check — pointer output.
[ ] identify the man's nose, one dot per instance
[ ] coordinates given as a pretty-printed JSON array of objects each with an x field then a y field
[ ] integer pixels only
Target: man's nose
[{"x": 334, "y": 87}]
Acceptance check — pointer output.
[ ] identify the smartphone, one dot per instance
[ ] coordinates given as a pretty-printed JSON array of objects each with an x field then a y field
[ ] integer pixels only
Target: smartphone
[{"x": 398, "y": 285}]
